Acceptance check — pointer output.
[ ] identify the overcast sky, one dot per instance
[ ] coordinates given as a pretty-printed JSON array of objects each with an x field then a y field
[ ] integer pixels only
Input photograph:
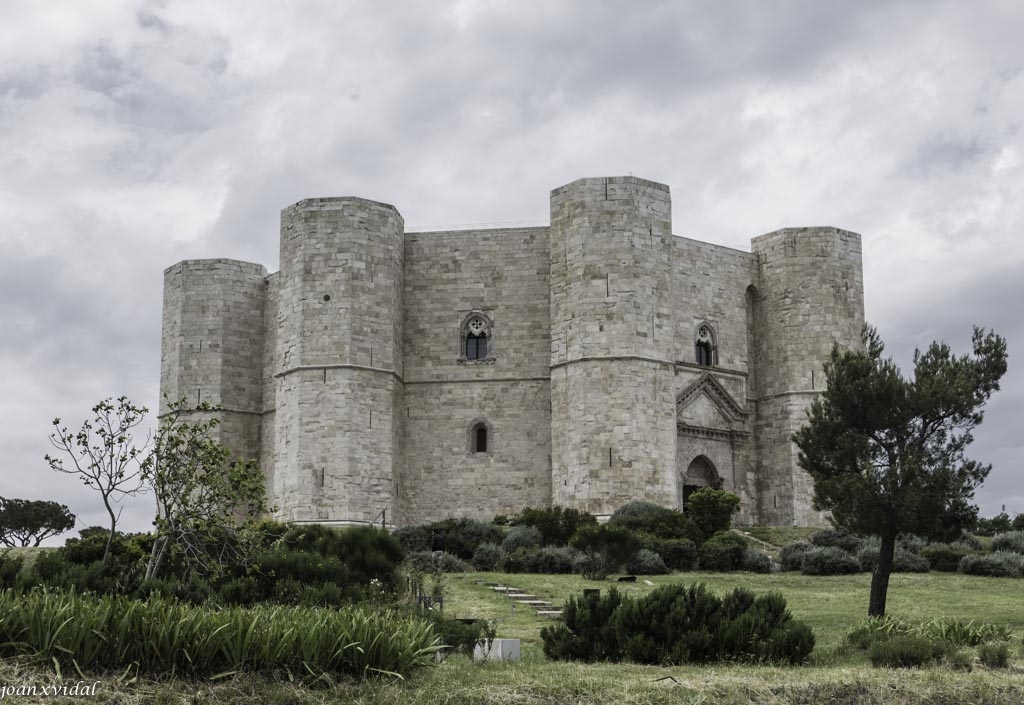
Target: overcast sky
[{"x": 135, "y": 134}]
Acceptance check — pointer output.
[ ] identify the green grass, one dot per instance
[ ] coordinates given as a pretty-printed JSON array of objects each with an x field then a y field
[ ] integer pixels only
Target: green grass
[
  {"x": 778, "y": 536},
  {"x": 830, "y": 605}
]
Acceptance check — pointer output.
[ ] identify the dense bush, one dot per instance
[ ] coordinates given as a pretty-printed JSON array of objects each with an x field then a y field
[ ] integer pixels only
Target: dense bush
[
  {"x": 994, "y": 655},
  {"x": 970, "y": 541},
  {"x": 521, "y": 537},
  {"x": 10, "y": 566},
  {"x": 911, "y": 543},
  {"x": 367, "y": 552},
  {"x": 115, "y": 634},
  {"x": 791, "y": 557},
  {"x": 423, "y": 562},
  {"x": 944, "y": 557},
  {"x": 711, "y": 510},
  {"x": 906, "y": 652},
  {"x": 722, "y": 552},
  {"x": 1011, "y": 541},
  {"x": 997, "y": 565},
  {"x": 675, "y": 624},
  {"x": 678, "y": 554},
  {"x": 557, "y": 525},
  {"x": 646, "y": 562},
  {"x": 903, "y": 561},
  {"x": 756, "y": 561},
  {"x": 653, "y": 519},
  {"x": 461, "y": 536},
  {"x": 828, "y": 560},
  {"x": 839, "y": 539},
  {"x": 607, "y": 548},
  {"x": 549, "y": 560},
  {"x": 487, "y": 556}
]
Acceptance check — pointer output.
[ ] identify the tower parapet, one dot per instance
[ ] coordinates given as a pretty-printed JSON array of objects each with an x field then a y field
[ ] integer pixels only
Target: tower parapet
[{"x": 810, "y": 295}]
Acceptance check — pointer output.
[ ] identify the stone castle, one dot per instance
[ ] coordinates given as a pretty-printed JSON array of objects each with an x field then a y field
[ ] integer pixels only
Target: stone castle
[{"x": 405, "y": 377}]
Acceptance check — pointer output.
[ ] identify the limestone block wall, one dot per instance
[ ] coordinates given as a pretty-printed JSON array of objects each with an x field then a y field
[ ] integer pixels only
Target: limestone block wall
[
  {"x": 338, "y": 359},
  {"x": 613, "y": 419},
  {"x": 212, "y": 346},
  {"x": 502, "y": 274},
  {"x": 809, "y": 295}
]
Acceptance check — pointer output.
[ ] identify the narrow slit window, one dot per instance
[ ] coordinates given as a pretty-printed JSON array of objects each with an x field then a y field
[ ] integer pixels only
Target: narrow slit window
[
  {"x": 479, "y": 438},
  {"x": 705, "y": 350}
]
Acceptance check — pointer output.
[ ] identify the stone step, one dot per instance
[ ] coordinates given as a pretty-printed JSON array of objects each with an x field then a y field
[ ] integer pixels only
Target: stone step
[
  {"x": 550, "y": 614},
  {"x": 535, "y": 603},
  {"x": 523, "y": 597}
]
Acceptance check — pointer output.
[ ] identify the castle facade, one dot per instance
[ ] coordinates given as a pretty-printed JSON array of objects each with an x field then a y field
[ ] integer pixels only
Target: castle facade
[{"x": 405, "y": 377}]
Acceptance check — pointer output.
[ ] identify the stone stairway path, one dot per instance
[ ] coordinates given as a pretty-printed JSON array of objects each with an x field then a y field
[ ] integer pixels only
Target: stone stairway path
[{"x": 544, "y": 608}]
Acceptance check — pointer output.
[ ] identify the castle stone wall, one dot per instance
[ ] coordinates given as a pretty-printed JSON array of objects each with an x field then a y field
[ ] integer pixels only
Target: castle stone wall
[{"x": 502, "y": 274}]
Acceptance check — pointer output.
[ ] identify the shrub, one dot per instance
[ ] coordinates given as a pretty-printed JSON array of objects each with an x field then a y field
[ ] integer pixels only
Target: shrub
[
  {"x": 722, "y": 552},
  {"x": 238, "y": 591},
  {"x": 756, "y": 561},
  {"x": 961, "y": 661},
  {"x": 487, "y": 556},
  {"x": 1010, "y": 541},
  {"x": 552, "y": 560},
  {"x": 839, "y": 539},
  {"x": 557, "y": 525},
  {"x": 994, "y": 655},
  {"x": 368, "y": 553},
  {"x": 955, "y": 633},
  {"x": 423, "y": 562},
  {"x": 646, "y": 562},
  {"x": 828, "y": 560},
  {"x": 903, "y": 561},
  {"x": 678, "y": 554},
  {"x": 521, "y": 537},
  {"x": 791, "y": 557},
  {"x": 944, "y": 557},
  {"x": 905, "y": 652},
  {"x": 675, "y": 624},
  {"x": 997, "y": 565},
  {"x": 711, "y": 510},
  {"x": 586, "y": 632},
  {"x": 10, "y": 566},
  {"x": 910, "y": 543},
  {"x": 969, "y": 540},
  {"x": 655, "y": 520},
  {"x": 461, "y": 536},
  {"x": 607, "y": 546}
]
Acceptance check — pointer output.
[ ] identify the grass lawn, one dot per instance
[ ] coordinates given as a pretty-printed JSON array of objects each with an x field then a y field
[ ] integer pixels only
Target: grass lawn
[{"x": 830, "y": 605}]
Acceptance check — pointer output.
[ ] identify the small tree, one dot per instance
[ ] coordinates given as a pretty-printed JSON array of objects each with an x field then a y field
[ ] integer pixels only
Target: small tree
[
  {"x": 711, "y": 510},
  {"x": 607, "y": 548},
  {"x": 104, "y": 455},
  {"x": 887, "y": 453},
  {"x": 207, "y": 504},
  {"x": 25, "y": 521}
]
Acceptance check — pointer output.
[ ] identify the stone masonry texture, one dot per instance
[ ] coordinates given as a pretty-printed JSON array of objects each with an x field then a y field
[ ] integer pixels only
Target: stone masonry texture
[{"x": 346, "y": 374}]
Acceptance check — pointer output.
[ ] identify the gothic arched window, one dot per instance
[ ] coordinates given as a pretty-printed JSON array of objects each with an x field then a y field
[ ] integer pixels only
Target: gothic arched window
[
  {"x": 476, "y": 338},
  {"x": 706, "y": 352}
]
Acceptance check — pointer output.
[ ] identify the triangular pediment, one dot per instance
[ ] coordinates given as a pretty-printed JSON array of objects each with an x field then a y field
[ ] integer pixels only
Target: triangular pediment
[
  {"x": 702, "y": 411},
  {"x": 706, "y": 404}
]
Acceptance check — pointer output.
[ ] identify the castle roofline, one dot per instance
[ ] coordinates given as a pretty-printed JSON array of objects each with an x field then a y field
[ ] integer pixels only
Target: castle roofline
[{"x": 333, "y": 203}]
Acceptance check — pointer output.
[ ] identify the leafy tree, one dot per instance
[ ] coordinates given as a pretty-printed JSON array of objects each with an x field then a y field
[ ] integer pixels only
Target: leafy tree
[
  {"x": 607, "y": 548},
  {"x": 207, "y": 503},
  {"x": 887, "y": 453},
  {"x": 25, "y": 521},
  {"x": 104, "y": 455},
  {"x": 711, "y": 510}
]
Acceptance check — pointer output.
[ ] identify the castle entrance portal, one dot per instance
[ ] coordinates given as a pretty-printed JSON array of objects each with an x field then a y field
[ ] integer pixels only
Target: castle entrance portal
[{"x": 700, "y": 473}]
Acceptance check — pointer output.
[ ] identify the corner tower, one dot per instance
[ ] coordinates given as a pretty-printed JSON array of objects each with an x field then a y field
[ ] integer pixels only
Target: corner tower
[
  {"x": 338, "y": 360},
  {"x": 612, "y": 405},
  {"x": 809, "y": 295},
  {"x": 212, "y": 345}
]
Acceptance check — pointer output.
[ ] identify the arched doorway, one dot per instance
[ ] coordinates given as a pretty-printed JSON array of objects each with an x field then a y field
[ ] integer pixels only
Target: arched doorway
[{"x": 700, "y": 473}]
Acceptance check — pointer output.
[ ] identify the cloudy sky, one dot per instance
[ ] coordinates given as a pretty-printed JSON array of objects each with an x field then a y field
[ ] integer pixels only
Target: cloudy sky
[{"x": 134, "y": 134}]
